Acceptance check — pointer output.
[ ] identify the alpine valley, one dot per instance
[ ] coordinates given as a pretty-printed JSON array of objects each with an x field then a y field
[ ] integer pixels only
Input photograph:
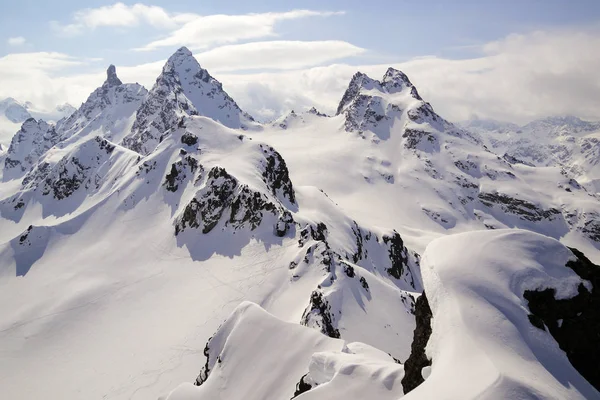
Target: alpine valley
[{"x": 164, "y": 244}]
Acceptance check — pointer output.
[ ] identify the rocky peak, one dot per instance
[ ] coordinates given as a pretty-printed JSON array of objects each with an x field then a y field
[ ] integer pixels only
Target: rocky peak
[
  {"x": 105, "y": 110},
  {"x": 358, "y": 81},
  {"x": 27, "y": 146},
  {"x": 183, "y": 88},
  {"x": 14, "y": 111},
  {"x": 316, "y": 112},
  {"x": 111, "y": 76},
  {"x": 395, "y": 81},
  {"x": 181, "y": 55}
]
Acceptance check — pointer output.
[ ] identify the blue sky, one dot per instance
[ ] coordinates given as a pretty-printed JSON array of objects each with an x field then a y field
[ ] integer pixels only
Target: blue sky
[
  {"x": 468, "y": 33},
  {"x": 393, "y": 29}
]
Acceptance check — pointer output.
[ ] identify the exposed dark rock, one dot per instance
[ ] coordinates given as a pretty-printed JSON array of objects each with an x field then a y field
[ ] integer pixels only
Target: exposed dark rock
[
  {"x": 111, "y": 76},
  {"x": 224, "y": 196},
  {"x": 522, "y": 208},
  {"x": 514, "y": 160},
  {"x": 276, "y": 175},
  {"x": 418, "y": 359},
  {"x": 181, "y": 170},
  {"x": 206, "y": 210},
  {"x": 574, "y": 323},
  {"x": 398, "y": 254},
  {"x": 318, "y": 313},
  {"x": 205, "y": 371},
  {"x": 415, "y": 136},
  {"x": 318, "y": 233},
  {"x": 24, "y": 236},
  {"x": 189, "y": 139},
  {"x": 591, "y": 225},
  {"x": 364, "y": 283},
  {"x": 301, "y": 387},
  {"x": 349, "y": 270}
]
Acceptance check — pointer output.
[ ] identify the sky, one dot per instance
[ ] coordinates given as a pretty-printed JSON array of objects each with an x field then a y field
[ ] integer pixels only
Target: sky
[{"x": 511, "y": 60}]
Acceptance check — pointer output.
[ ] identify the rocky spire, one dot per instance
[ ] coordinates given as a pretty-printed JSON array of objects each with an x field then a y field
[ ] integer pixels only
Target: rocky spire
[{"x": 111, "y": 76}]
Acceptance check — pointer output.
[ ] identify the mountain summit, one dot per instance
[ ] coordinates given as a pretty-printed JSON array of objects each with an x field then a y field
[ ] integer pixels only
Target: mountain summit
[
  {"x": 183, "y": 88},
  {"x": 111, "y": 76}
]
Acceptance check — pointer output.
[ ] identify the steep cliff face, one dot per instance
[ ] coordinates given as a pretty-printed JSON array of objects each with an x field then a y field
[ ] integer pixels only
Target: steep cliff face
[{"x": 575, "y": 322}]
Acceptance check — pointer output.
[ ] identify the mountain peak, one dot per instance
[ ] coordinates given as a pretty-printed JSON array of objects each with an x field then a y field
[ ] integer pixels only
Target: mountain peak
[
  {"x": 182, "y": 54},
  {"x": 111, "y": 76},
  {"x": 395, "y": 80},
  {"x": 183, "y": 88}
]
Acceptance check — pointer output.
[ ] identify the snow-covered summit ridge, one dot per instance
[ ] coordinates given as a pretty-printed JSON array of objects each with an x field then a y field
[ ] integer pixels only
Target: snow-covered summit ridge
[
  {"x": 108, "y": 111},
  {"x": 183, "y": 88},
  {"x": 482, "y": 327}
]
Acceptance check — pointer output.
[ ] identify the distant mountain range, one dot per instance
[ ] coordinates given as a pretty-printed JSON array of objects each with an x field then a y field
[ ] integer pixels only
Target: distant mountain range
[{"x": 13, "y": 114}]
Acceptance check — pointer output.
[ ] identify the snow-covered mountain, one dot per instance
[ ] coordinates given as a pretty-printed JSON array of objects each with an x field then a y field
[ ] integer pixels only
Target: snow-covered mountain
[
  {"x": 14, "y": 113},
  {"x": 154, "y": 238},
  {"x": 182, "y": 89},
  {"x": 109, "y": 111},
  {"x": 566, "y": 142}
]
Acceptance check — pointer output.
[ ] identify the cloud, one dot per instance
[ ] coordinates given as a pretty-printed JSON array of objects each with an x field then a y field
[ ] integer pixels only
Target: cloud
[
  {"x": 121, "y": 15},
  {"x": 43, "y": 78},
  {"x": 203, "y": 31},
  {"x": 518, "y": 78},
  {"x": 276, "y": 55},
  {"x": 185, "y": 29},
  {"x": 16, "y": 41}
]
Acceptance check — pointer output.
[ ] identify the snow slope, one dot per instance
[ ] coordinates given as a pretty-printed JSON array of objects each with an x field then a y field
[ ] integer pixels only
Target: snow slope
[
  {"x": 483, "y": 345},
  {"x": 131, "y": 230}
]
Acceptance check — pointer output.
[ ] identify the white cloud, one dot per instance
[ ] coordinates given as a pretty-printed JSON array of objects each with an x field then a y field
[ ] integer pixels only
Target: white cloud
[
  {"x": 518, "y": 78},
  {"x": 276, "y": 55},
  {"x": 42, "y": 78},
  {"x": 204, "y": 31},
  {"x": 121, "y": 15},
  {"x": 185, "y": 29},
  {"x": 16, "y": 41}
]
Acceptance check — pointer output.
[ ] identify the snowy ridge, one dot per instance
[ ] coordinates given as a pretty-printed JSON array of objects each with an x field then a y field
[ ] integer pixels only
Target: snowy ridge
[
  {"x": 483, "y": 312},
  {"x": 182, "y": 89},
  {"x": 109, "y": 111},
  {"x": 283, "y": 260}
]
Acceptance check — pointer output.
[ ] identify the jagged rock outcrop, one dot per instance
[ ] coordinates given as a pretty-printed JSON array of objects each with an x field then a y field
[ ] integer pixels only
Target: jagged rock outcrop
[
  {"x": 318, "y": 315},
  {"x": 522, "y": 208},
  {"x": 574, "y": 323},
  {"x": 224, "y": 197},
  {"x": 183, "y": 88},
  {"x": 418, "y": 360}
]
